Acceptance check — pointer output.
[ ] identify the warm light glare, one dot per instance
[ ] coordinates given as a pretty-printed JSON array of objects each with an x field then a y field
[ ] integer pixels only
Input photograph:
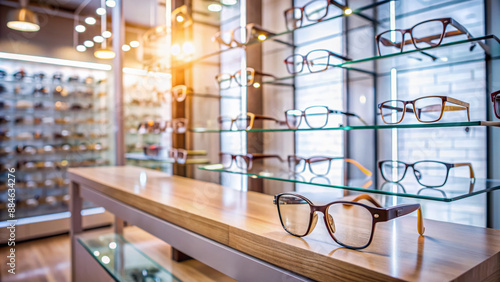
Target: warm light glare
[
  {"x": 134, "y": 44},
  {"x": 362, "y": 99},
  {"x": 90, "y": 21},
  {"x": 256, "y": 85},
  {"x": 100, "y": 11},
  {"x": 88, "y": 43},
  {"x": 23, "y": 20},
  {"x": 104, "y": 54},
  {"x": 23, "y": 26},
  {"x": 112, "y": 245},
  {"x": 175, "y": 49},
  {"x": 229, "y": 2},
  {"x": 80, "y": 28},
  {"x": 188, "y": 48},
  {"x": 215, "y": 7},
  {"x": 106, "y": 34},
  {"x": 81, "y": 48},
  {"x": 110, "y": 3},
  {"x": 105, "y": 259},
  {"x": 262, "y": 37},
  {"x": 98, "y": 39},
  {"x": 347, "y": 11},
  {"x": 179, "y": 18},
  {"x": 125, "y": 48}
]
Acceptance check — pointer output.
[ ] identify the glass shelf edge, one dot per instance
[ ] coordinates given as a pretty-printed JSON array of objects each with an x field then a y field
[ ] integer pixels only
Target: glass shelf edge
[{"x": 347, "y": 128}]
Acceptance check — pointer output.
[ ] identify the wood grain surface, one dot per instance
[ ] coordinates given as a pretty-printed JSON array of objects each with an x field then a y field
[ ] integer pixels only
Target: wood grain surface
[{"x": 248, "y": 222}]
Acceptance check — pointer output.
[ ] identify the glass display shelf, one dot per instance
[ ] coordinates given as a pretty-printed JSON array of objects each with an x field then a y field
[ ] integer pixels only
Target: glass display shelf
[
  {"x": 122, "y": 260},
  {"x": 142, "y": 157},
  {"x": 44, "y": 209},
  {"x": 346, "y": 128},
  {"x": 456, "y": 188},
  {"x": 274, "y": 36}
]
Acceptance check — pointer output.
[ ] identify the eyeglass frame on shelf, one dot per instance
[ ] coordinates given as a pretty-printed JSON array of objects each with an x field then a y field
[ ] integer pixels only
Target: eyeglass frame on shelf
[
  {"x": 252, "y": 120},
  {"x": 379, "y": 214},
  {"x": 308, "y": 161},
  {"x": 302, "y": 12},
  {"x": 412, "y": 165},
  {"x": 329, "y": 111},
  {"x": 444, "y": 108},
  {"x": 495, "y": 96},
  {"x": 307, "y": 62},
  {"x": 248, "y": 158}
]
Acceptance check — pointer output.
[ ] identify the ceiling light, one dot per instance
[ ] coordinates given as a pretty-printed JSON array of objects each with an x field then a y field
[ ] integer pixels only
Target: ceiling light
[
  {"x": 105, "y": 259},
  {"x": 179, "y": 18},
  {"x": 104, "y": 54},
  {"x": 110, "y": 3},
  {"x": 90, "y": 20},
  {"x": 134, "y": 44},
  {"x": 125, "y": 48},
  {"x": 98, "y": 39},
  {"x": 23, "y": 20},
  {"x": 80, "y": 28},
  {"x": 100, "y": 11},
  {"x": 215, "y": 7},
  {"x": 88, "y": 43},
  {"x": 81, "y": 48},
  {"x": 229, "y": 2},
  {"x": 106, "y": 34}
]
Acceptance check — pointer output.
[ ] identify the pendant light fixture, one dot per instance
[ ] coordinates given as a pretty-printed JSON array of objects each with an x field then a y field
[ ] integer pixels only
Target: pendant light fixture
[
  {"x": 104, "y": 52},
  {"x": 23, "y": 19}
]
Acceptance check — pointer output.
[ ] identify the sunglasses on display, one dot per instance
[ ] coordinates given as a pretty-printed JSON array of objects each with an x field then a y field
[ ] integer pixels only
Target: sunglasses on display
[
  {"x": 244, "y": 161},
  {"x": 316, "y": 61},
  {"x": 425, "y": 34},
  {"x": 426, "y": 109},
  {"x": 320, "y": 165},
  {"x": 350, "y": 224},
  {"x": 313, "y": 11},
  {"x": 224, "y": 79},
  {"x": 427, "y": 173},
  {"x": 178, "y": 125},
  {"x": 244, "y": 121},
  {"x": 495, "y": 99},
  {"x": 315, "y": 117},
  {"x": 241, "y": 36}
]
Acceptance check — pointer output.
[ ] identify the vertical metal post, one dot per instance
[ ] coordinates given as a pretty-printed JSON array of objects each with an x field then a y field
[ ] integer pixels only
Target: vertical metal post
[
  {"x": 118, "y": 24},
  {"x": 75, "y": 207}
]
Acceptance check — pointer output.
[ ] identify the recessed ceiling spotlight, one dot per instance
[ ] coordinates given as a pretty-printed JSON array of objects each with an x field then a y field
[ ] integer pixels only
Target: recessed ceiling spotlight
[
  {"x": 106, "y": 34},
  {"x": 110, "y": 3},
  {"x": 134, "y": 44},
  {"x": 81, "y": 48},
  {"x": 125, "y": 48},
  {"x": 100, "y": 11},
  {"x": 80, "y": 28},
  {"x": 215, "y": 7},
  {"x": 90, "y": 20},
  {"x": 98, "y": 39},
  {"x": 88, "y": 43}
]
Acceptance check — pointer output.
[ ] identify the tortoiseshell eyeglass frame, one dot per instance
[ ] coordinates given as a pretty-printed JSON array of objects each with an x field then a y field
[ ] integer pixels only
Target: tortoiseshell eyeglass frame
[
  {"x": 379, "y": 214},
  {"x": 496, "y": 96}
]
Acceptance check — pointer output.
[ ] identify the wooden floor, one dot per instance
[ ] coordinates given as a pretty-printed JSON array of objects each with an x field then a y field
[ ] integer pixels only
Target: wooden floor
[{"x": 49, "y": 259}]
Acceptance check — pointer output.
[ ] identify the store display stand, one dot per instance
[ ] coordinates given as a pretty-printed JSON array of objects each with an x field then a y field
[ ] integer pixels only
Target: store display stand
[{"x": 244, "y": 239}]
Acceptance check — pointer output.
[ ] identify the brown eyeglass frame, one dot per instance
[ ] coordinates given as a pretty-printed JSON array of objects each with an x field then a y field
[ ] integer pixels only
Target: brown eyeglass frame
[
  {"x": 302, "y": 11},
  {"x": 232, "y": 77},
  {"x": 249, "y": 158},
  {"x": 418, "y": 112},
  {"x": 493, "y": 97},
  {"x": 252, "y": 31},
  {"x": 446, "y": 21},
  {"x": 378, "y": 213}
]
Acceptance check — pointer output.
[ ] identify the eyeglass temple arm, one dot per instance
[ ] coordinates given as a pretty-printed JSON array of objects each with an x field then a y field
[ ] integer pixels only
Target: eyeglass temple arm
[
  {"x": 270, "y": 118},
  {"x": 401, "y": 210},
  {"x": 363, "y": 169},
  {"x": 265, "y": 74},
  {"x": 461, "y": 28},
  {"x": 349, "y": 114},
  {"x": 339, "y": 56},
  {"x": 265, "y": 156},
  {"x": 338, "y": 5},
  {"x": 472, "y": 176},
  {"x": 360, "y": 197}
]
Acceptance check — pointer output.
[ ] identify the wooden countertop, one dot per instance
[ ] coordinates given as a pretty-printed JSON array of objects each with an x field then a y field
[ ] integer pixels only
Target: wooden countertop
[{"x": 248, "y": 222}]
